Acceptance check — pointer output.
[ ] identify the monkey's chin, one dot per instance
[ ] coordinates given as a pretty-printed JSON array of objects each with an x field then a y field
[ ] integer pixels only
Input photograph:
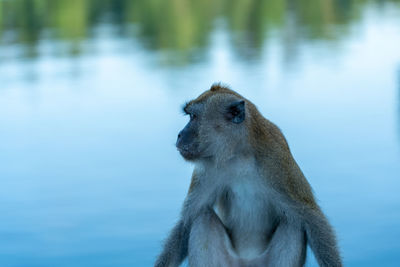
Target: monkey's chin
[{"x": 187, "y": 155}]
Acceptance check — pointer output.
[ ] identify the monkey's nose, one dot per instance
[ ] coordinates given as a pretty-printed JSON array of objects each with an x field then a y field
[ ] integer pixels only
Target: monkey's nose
[
  {"x": 180, "y": 134},
  {"x": 179, "y": 140}
]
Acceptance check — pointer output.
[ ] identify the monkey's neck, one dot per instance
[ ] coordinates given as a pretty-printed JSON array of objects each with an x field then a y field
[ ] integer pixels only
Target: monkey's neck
[{"x": 230, "y": 163}]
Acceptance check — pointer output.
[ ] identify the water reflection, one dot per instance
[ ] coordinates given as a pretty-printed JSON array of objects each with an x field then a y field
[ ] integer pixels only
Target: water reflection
[{"x": 184, "y": 26}]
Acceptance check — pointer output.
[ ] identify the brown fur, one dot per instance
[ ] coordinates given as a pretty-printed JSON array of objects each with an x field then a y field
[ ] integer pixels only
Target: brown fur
[{"x": 271, "y": 150}]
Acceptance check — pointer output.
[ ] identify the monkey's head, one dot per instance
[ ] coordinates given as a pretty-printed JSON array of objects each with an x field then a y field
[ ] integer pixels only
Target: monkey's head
[{"x": 217, "y": 126}]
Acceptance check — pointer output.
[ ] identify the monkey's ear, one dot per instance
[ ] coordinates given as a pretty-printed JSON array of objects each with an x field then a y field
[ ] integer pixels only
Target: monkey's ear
[{"x": 236, "y": 112}]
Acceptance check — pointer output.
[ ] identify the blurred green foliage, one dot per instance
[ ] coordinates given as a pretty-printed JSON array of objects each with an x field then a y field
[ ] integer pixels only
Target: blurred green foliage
[{"x": 178, "y": 25}]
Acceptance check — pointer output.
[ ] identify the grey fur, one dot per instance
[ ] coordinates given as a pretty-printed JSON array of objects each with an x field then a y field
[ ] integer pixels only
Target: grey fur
[{"x": 208, "y": 240}]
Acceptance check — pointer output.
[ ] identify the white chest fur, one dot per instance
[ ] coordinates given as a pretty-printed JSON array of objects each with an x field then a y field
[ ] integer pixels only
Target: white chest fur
[{"x": 244, "y": 207}]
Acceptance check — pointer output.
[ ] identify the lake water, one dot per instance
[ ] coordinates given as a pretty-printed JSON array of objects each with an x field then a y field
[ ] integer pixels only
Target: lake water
[{"x": 90, "y": 96}]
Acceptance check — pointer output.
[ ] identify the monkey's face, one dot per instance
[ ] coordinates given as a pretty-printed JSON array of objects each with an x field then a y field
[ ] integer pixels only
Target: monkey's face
[{"x": 215, "y": 128}]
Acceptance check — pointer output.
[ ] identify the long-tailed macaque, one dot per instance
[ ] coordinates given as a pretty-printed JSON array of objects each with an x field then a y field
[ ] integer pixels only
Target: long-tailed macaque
[{"x": 249, "y": 203}]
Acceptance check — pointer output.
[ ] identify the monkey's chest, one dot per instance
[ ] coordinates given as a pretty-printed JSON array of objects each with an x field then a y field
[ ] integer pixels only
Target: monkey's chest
[{"x": 245, "y": 211}]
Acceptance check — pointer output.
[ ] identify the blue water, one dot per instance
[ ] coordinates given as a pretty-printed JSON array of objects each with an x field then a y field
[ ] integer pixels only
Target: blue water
[{"x": 89, "y": 175}]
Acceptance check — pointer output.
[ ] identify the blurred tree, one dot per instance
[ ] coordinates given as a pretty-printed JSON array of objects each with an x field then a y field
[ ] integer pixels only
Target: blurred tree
[{"x": 180, "y": 27}]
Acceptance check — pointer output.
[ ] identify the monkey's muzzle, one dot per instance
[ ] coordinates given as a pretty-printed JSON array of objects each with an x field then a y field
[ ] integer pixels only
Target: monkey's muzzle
[{"x": 186, "y": 149}]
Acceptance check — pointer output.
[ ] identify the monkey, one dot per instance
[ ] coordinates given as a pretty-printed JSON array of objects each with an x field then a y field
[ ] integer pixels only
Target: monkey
[{"x": 248, "y": 203}]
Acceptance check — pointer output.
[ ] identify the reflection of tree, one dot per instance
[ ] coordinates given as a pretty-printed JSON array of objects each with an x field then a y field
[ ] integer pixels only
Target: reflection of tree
[
  {"x": 180, "y": 26},
  {"x": 250, "y": 22},
  {"x": 177, "y": 25}
]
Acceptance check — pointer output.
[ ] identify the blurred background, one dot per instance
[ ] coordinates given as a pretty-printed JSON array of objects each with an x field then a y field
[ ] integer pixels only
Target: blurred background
[{"x": 90, "y": 96}]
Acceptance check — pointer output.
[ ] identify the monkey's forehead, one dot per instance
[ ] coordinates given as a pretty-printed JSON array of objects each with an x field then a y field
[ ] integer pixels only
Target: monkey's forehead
[
  {"x": 198, "y": 105},
  {"x": 193, "y": 107}
]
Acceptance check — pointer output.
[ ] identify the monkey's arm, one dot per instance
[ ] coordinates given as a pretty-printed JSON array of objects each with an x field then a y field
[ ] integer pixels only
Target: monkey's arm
[
  {"x": 321, "y": 238},
  {"x": 319, "y": 233},
  {"x": 175, "y": 248}
]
